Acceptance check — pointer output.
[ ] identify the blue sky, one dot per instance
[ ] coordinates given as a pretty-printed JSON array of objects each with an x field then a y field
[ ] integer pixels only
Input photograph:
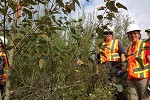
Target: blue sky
[{"x": 138, "y": 10}]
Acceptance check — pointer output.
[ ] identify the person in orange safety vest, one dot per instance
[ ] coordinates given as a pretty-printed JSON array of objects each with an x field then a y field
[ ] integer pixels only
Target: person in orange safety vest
[
  {"x": 3, "y": 64},
  {"x": 138, "y": 65},
  {"x": 113, "y": 49},
  {"x": 112, "y": 53},
  {"x": 148, "y": 34}
]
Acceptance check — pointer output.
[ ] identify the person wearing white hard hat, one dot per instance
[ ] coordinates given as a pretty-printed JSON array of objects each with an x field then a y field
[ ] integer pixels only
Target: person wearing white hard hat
[
  {"x": 148, "y": 32},
  {"x": 113, "y": 57},
  {"x": 138, "y": 65},
  {"x": 3, "y": 64}
]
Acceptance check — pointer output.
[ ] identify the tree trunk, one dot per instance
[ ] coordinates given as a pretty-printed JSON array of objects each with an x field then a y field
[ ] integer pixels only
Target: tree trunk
[{"x": 10, "y": 58}]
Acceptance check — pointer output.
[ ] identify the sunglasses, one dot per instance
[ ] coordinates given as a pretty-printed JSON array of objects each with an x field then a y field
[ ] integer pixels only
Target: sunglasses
[
  {"x": 132, "y": 33},
  {"x": 106, "y": 33}
]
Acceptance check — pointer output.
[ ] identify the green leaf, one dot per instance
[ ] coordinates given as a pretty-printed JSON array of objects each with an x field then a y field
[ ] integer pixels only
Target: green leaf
[
  {"x": 28, "y": 12},
  {"x": 9, "y": 48},
  {"x": 58, "y": 28},
  {"x": 60, "y": 22},
  {"x": 87, "y": 0},
  {"x": 111, "y": 6},
  {"x": 45, "y": 37},
  {"x": 101, "y": 8},
  {"x": 60, "y": 3},
  {"x": 22, "y": 32},
  {"x": 9, "y": 19},
  {"x": 119, "y": 87},
  {"x": 12, "y": 5},
  {"x": 99, "y": 31},
  {"x": 73, "y": 30},
  {"x": 42, "y": 63},
  {"x": 100, "y": 17},
  {"x": 96, "y": 51},
  {"x": 38, "y": 34},
  {"x": 46, "y": 12},
  {"x": 114, "y": 9},
  {"x": 100, "y": 44},
  {"x": 41, "y": 1},
  {"x": 54, "y": 18},
  {"x": 30, "y": 2},
  {"x": 4, "y": 10},
  {"x": 79, "y": 20},
  {"x": 75, "y": 38},
  {"x": 70, "y": 7},
  {"x": 17, "y": 40},
  {"x": 58, "y": 49},
  {"x": 119, "y": 5},
  {"x": 42, "y": 41},
  {"x": 112, "y": 15},
  {"x": 76, "y": 1},
  {"x": 109, "y": 17}
]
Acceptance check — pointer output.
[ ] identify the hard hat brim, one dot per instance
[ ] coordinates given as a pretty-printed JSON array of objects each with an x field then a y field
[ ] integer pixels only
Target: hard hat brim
[
  {"x": 133, "y": 31},
  {"x": 148, "y": 30}
]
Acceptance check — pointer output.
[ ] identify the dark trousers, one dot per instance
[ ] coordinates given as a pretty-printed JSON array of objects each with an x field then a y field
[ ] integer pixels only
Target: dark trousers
[{"x": 2, "y": 90}]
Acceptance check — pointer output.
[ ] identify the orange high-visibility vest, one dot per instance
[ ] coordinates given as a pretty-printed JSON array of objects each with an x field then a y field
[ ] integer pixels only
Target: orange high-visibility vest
[
  {"x": 109, "y": 52},
  {"x": 138, "y": 67},
  {"x": 5, "y": 67}
]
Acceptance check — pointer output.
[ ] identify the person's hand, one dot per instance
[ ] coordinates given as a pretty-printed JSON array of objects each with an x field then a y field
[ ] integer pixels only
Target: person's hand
[
  {"x": 124, "y": 66},
  {"x": 123, "y": 69},
  {"x": 119, "y": 73}
]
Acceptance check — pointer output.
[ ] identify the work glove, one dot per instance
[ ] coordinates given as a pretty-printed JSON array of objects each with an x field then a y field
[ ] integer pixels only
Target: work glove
[
  {"x": 119, "y": 73},
  {"x": 124, "y": 66}
]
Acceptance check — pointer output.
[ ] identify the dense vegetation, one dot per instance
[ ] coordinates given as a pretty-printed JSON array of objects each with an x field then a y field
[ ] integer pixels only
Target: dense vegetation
[{"x": 51, "y": 55}]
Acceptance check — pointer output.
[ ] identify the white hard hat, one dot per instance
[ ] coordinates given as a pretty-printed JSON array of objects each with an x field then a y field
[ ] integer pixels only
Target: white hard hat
[
  {"x": 133, "y": 27},
  {"x": 108, "y": 29},
  {"x": 2, "y": 40},
  {"x": 147, "y": 30}
]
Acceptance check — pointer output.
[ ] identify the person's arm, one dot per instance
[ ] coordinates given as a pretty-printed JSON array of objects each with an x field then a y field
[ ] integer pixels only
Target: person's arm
[
  {"x": 122, "y": 52},
  {"x": 148, "y": 58},
  {"x": 123, "y": 66}
]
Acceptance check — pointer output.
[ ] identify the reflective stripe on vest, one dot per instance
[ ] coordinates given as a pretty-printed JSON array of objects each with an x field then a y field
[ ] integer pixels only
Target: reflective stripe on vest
[
  {"x": 141, "y": 68},
  {"x": 110, "y": 52}
]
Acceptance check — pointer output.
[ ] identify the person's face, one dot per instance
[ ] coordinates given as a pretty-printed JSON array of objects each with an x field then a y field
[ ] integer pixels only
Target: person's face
[
  {"x": 148, "y": 34},
  {"x": 134, "y": 36},
  {"x": 109, "y": 36}
]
